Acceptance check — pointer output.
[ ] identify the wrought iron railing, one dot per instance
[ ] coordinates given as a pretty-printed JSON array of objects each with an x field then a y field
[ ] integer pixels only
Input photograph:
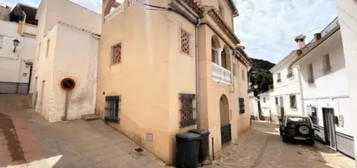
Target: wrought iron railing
[{"x": 329, "y": 27}]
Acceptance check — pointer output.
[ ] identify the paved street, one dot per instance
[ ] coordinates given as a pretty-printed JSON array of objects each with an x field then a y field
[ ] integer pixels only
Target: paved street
[
  {"x": 262, "y": 147},
  {"x": 26, "y": 140}
]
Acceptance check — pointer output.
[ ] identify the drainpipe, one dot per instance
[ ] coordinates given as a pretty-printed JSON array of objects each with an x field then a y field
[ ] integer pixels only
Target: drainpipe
[{"x": 197, "y": 45}]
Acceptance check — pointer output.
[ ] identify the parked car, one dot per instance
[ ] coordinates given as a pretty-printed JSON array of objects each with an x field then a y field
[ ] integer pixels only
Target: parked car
[{"x": 297, "y": 128}]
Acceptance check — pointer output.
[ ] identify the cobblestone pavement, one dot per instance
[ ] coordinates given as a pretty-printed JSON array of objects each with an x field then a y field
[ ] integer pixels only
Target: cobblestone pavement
[
  {"x": 262, "y": 147},
  {"x": 27, "y": 140}
]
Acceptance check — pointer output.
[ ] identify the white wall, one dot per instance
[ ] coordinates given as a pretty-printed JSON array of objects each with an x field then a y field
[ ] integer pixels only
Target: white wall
[
  {"x": 286, "y": 87},
  {"x": 12, "y": 65},
  {"x": 67, "y": 59},
  {"x": 347, "y": 12},
  {"x": 52, "y": 11}
]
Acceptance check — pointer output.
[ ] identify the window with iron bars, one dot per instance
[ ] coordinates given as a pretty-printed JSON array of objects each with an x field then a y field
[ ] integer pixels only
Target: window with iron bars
[
  {"x": 188, "y": 109},
  {"x": 116, "y": 54},
  {"x": 241, "y": 106},
  {"x": 185, "y": 42},
  {"x": 112, "y": 108}
]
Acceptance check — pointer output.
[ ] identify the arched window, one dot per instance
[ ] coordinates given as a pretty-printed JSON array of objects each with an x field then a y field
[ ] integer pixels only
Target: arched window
[
  {"x": 225, "y": 58},
  {"x": 214, "y": 48}
]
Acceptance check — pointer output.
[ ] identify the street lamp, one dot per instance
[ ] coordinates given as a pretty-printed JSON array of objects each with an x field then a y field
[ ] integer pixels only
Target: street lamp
[{"x": 16, "y": 43}]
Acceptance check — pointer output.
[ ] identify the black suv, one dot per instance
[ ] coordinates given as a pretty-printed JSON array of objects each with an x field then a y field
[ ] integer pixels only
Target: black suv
[{"x": 297, "y": 128}]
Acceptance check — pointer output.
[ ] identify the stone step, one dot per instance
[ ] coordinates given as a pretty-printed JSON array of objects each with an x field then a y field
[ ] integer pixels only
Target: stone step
[{"x": 90, "y": 117}]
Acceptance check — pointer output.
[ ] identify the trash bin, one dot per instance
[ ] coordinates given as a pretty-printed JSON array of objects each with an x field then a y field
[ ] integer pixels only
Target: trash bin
[
  {"x": 204, "y": 144},
  {"x": 187, "y": 150}
]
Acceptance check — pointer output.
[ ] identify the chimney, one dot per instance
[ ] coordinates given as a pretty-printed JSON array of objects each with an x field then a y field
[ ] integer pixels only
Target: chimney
[
  {"x": 317, "y": 36},
  {"x": 300, "y": 41}
]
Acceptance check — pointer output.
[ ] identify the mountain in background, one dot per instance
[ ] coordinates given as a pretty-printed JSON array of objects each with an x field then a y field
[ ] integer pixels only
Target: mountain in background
[{"x": 261, "y": 78}]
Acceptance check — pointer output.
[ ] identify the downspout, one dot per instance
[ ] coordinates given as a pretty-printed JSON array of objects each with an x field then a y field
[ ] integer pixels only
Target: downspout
[{"x": 197, "y": 64}]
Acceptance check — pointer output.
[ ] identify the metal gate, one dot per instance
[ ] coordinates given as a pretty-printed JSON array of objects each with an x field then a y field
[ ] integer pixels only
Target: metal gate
[{"x": 226, "y": 135}]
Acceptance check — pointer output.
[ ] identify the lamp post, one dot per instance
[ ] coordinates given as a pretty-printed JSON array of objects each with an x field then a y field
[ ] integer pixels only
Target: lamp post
[{"x": 16, "y": 43}]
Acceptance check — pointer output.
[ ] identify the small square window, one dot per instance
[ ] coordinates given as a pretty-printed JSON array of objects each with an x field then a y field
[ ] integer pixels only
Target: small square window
[
  {"x": 116, "y": 54},
  {"x": 185, "y": 42},
  {"x": 188, "y": 110}
]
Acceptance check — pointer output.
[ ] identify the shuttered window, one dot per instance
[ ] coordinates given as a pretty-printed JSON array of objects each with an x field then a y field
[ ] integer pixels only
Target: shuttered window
[{"x": 188, "y": 109}]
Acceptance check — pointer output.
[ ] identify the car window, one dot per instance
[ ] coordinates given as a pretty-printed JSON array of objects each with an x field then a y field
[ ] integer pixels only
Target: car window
[{"x": 298, "y": 120}]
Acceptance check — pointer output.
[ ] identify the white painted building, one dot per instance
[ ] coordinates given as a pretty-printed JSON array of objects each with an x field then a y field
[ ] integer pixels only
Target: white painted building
[
  {"x": 286, "y": 96},
  {"x": 266, "y": 105},
  {"x": 325, "y": 89},
  {"x": 16, "y": 63},
  {"x": 67, "y": 47},
  {"x": 347, "y": 13}
]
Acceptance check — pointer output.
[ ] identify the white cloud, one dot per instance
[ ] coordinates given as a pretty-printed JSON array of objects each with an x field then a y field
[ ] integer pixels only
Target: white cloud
[{"x": 267, "y": 27}]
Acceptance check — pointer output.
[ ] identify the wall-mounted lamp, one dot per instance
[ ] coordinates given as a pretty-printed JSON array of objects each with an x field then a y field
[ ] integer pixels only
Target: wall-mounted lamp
[{"x": 16, "y": 43}]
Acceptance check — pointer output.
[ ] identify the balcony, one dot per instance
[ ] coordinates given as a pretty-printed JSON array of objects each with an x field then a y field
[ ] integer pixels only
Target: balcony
[{"x": 221, "y": 74}]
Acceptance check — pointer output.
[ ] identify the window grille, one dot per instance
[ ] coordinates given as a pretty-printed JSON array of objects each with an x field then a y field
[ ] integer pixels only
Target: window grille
[
  {"x": 241, "y": 106},
  {"x": 116, "y": 54},
  {"x": 185, "y": 42},
  {"x": 112, "y": 108},
  {"x": 188, "y": 109}
]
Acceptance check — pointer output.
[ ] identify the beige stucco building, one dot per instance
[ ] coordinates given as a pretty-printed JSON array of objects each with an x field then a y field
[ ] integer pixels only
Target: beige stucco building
[
  {"x": 166, "y": 67},
  {"x": 67, "y": 47}
]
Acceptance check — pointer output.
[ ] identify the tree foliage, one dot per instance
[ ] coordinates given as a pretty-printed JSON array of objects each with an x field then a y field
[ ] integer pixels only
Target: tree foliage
[{"x": 260, "y": 76}]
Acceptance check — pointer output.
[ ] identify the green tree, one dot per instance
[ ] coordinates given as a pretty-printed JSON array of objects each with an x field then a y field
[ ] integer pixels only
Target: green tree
[{"x": 260, "y": 76}]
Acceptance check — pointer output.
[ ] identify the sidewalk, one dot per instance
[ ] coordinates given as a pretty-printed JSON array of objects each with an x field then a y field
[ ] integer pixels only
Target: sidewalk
[{"x": 27, "y": 140}]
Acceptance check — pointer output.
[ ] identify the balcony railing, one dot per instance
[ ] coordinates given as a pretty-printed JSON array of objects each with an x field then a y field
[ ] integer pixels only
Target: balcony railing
[
  {"x": 221, "y": 74},
  {"x": 120, "y": 9}
]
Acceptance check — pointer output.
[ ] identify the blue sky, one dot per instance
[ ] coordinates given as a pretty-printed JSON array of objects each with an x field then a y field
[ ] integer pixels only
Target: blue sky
[{"x": 266, "y": 27}]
